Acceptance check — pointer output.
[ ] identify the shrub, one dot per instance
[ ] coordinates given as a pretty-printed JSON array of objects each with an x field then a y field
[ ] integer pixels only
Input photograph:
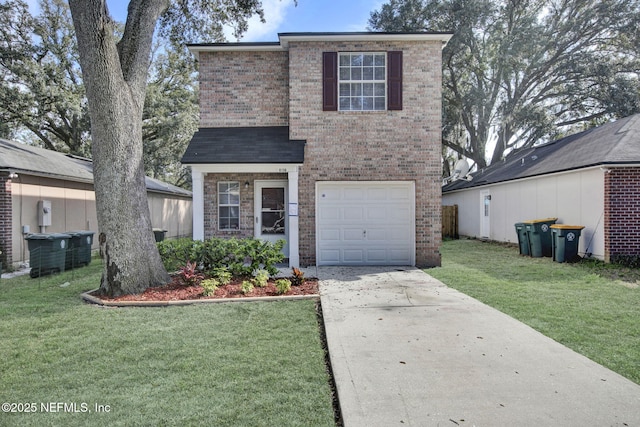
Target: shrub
[
  {"x": 631, "y": 261},
  {"x": 222, "y": 274},
  {"x": 283, "y": 286},
  {"x": 261, "y": 278},
  {"x": 298, "y": 277},
  {"x": 241, "y": 257},
  {"x": 247, "y": 286},
  {"x": 209, "y": 286},
  {"x": 190, "y": 274},
  {"x": 176, "y": 252}
]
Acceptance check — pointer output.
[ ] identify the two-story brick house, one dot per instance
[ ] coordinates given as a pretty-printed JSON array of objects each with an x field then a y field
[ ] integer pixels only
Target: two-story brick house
[{"x": 331, "y": 141}]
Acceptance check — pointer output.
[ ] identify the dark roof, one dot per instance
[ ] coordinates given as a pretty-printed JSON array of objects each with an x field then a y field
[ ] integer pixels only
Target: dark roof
[
  {"x": 362, "y": 33},
  {"x": 614, "y": 143},
  {"x": 29, "y": 160},
  {"x": 244, "y": 145},
  {"x": 236, "y": 44}
]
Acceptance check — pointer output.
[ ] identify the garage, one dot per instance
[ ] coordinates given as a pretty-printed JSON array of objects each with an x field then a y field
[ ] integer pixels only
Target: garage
[{"x": 365, "y": 223}]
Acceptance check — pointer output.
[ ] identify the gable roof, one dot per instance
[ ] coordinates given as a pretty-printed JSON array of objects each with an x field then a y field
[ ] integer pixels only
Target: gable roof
[
  {"x": 615, "y": 143},
  {"x": 244, "y": 145},
  {"x": 29, "y": 160}
]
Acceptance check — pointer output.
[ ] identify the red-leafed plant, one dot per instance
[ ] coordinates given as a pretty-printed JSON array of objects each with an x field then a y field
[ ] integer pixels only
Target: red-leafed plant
[
  {"x": 190, "y": 274},
  {"x": 298, "y": 277}
]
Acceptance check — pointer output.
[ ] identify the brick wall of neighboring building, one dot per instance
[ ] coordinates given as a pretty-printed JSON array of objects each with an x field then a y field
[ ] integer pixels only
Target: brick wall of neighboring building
[
  {"x": 246, "y": 202},
  {"x": 244, "y": 88},
  {"x": 371, "y": 146},
  {"x": 622, "y": 212},
  {"x": 6, "y": 245}
]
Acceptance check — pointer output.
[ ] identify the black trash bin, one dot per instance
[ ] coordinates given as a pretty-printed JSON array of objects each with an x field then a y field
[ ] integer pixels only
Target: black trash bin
[
  {"x": 523, "y": 238},
  {"x": 79, "y": 253},
  {"x": 47, "y": 252},
  {"x": 159, "y": 234},
  {"x": 565, "y": 242},
  {"x": 539, "y": 235}
]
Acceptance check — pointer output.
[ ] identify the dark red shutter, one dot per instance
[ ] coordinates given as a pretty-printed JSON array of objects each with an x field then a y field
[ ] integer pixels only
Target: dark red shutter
[
  {"x": 394, "y": 80},
  {"x": 330, "y": 81}
]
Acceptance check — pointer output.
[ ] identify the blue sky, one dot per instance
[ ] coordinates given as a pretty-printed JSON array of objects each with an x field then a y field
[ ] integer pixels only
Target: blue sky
[{"x": 283, "y": 16}]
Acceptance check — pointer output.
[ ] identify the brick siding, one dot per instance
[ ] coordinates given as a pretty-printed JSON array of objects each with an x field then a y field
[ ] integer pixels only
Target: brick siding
[
  {"x": 622, "y": 212},
  {"x": 240, "y": 89},
  {"x": 6, "y": 244}
]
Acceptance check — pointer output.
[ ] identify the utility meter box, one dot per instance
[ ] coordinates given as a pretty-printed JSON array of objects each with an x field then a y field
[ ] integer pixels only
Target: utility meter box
[{"x": 44, "y": 213}]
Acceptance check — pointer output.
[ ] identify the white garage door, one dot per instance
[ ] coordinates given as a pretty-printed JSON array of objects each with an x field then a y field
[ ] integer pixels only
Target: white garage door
[{"x": 365, "y": 223}]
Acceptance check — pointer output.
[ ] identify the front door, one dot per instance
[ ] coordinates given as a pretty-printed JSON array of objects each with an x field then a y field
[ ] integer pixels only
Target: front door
[
  {"x": 485, "y": 214},
  {"x": 271, "y": 219}
]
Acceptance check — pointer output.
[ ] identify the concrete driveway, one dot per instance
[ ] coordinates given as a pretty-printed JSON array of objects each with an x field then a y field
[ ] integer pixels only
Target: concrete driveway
[{"x": 408, "y": 351}]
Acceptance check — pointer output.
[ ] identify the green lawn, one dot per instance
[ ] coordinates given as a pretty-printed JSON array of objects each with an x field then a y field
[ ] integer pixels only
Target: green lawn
[
  {"x": 590, "y": 307},
  {"x": 241, "y": 364}
]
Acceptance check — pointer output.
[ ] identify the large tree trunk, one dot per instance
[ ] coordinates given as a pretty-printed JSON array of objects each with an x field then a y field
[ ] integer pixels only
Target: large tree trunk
[{"x": 115, "y": 78}]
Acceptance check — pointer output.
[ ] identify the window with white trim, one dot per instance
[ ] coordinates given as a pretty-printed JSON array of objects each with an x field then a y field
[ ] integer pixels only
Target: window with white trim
[
  {"x": 362, "y": 81},
  {"x": 228, "y": 206}
]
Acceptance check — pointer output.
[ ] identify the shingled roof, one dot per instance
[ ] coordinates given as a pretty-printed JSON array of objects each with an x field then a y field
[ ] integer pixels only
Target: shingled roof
[
  {"x": 30, "y": 160},
  {"x": 244, "y": 145},
  {"x": 615, "y": 143}
]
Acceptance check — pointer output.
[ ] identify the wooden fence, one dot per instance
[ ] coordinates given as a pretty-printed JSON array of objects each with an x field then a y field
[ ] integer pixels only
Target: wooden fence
[{"x": 450, "y": 222}]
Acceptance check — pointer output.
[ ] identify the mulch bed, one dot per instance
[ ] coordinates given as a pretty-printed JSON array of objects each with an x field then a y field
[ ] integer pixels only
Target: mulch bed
[{"x": 177, "y": 291}]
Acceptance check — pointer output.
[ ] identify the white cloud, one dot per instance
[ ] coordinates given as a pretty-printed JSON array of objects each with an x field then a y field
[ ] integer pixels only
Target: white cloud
[{"x": 274, "y": 14}]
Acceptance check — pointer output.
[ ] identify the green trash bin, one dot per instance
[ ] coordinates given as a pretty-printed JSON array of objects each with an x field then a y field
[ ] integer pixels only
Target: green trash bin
[
  {"x": 159, "y": 234},
  {"x": 539, "y": 234},
  {"x": 565, "y": 242},
  {"x": 523, "y": 238},
  {"x": 47, "y": 252},
  {"x": 79, "y": 253}
]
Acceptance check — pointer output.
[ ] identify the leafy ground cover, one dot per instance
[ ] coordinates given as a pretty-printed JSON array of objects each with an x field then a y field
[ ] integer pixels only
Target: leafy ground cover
[
  {"x": 250, "y": 364},
  {"x": 591, "y": 307}
]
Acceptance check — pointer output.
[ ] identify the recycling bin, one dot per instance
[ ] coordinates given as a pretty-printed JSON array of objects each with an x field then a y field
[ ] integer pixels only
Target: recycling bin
[
  {"x": 565, "y": 242},
  {"x": 79, "y": 253},
  {"x": 159, "y": 234},
  {"x": 47, "y": 252},
  {"x": 523, "y": 238},
  {"x": 539, "y": 234}
]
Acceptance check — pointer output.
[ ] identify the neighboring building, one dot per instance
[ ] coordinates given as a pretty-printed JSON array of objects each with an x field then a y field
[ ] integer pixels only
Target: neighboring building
[
  {"x": 328, "y": 140},
  {"x": 31, "y": 175},
  {"x": 591, "y": 179}
]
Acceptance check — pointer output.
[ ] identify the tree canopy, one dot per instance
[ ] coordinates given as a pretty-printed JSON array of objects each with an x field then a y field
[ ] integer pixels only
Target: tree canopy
[
  {"x": 517, "y": 73},
  {"x": 43, "y": 90}
]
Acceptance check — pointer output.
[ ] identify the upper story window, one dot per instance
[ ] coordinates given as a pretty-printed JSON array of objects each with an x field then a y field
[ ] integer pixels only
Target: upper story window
[{"x": 362, "y": 81}]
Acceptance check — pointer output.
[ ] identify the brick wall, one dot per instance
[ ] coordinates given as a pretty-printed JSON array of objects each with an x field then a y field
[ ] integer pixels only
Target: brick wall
[
  {"x": 246, "y": 202},
  {"x": 371, "y": 146},
  {"x": 622, "y": 212},
  {"x": 6, "y": 215},
  {"x": 243, "y": 88}
]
